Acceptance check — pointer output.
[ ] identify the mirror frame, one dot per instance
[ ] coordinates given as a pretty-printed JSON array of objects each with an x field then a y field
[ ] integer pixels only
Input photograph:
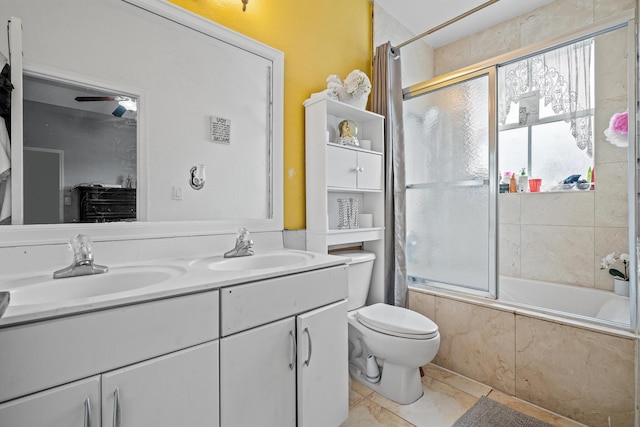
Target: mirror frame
[{"x": 31, "y": 235}]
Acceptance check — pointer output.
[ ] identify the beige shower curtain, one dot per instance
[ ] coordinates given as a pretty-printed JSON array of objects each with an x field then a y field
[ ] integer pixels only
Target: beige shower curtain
[{"x": 386, "y": 100}]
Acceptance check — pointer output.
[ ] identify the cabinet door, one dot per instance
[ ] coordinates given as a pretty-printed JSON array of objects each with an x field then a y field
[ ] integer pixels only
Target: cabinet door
[
  {"x": 73, "y": 405},
  {"x": 341, "y": 167},
  {"x": 258, "y": 376},
  {"x": 323, "y": 379},
  {"x": 179, "y": 389},
  {"x": 369, "y": 171}
]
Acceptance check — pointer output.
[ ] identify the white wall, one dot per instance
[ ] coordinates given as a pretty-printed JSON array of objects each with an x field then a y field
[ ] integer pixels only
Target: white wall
[{"x": 417, "y": 57}]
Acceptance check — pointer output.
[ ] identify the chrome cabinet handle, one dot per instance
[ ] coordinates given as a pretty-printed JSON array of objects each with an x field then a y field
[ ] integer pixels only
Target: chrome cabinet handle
[
  {"x": 116, "y": 407},
  {"x": 87, "y": 413},
  {"x": 359, "y": 169},
  {"x": 295, "y": 351},
  {"x": 306, "y": 330}
]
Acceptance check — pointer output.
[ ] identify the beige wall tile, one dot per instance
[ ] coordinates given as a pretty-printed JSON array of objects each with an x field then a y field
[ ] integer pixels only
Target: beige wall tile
[
  {"x": 611, "y": 55},
  {"x": 574, "y": 372},
  {"x": 452, "y": 57},
  {"x": 607, "y": 240},
  {"x": 611, "y": 195},
  {"x": 509, "y": 250},
  {"x": 477, "y": 342},
  {"x": 509, "y": 208},
  {"x": 558, "y": 254},
  {"x": 495, "y": 41},
  {"x": 603, "y": 9},
  {"x": 555, "y": 19},
  {"x": 422, "y": 303},
  {"x": 575, "y": 208}
]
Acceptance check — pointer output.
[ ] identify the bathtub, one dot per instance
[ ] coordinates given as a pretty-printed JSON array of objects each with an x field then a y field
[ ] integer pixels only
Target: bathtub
[{"x": 565, "y": 299}]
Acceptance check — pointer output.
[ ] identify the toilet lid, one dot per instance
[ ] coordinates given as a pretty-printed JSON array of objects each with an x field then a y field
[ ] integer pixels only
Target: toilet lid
[{"x": 397, "y": 321}]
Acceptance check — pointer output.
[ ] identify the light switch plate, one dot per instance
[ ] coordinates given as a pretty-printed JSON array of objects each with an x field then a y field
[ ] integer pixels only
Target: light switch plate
[{"x": 177, "y": 193}]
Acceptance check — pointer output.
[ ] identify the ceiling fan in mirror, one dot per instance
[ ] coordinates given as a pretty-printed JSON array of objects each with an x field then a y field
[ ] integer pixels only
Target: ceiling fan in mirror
[{"x": 125, "y": 103}]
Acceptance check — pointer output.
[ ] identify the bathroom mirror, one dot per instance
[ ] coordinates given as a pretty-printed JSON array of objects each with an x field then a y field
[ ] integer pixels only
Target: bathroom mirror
[{"x": 205, "y": 96}]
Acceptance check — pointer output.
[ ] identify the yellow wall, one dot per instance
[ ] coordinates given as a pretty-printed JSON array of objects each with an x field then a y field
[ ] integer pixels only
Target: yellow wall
[{"x": 318, "y": 38}]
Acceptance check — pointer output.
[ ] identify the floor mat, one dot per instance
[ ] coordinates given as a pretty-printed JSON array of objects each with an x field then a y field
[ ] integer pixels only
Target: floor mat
[{"x": 489, "y": 413}]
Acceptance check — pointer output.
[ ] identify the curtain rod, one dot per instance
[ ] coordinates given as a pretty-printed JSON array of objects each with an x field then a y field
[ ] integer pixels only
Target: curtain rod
[{"x": 449, "y": 22}]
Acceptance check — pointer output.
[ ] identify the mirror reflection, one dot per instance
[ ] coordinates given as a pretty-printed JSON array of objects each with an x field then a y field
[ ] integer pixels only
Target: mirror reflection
[
  {"x": 80, "y": 154},
  {"x": 205, "y": 98}
]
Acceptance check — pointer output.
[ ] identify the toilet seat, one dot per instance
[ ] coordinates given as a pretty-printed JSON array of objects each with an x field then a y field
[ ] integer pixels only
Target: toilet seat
[{"x": 397, "y": 321}]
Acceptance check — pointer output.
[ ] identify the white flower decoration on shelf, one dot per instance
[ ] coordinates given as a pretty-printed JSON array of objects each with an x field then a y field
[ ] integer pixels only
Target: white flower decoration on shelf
[
  {"x": 354, "y": 90},
  {"x": 357, "y": 84}
]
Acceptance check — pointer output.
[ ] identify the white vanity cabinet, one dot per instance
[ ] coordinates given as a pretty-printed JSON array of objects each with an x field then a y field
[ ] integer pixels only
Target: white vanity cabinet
[
  {"x": 178, "y": 389},
  {"x": 323, "y": 384},
  {"x": 261, "y": 352},
  {"x": 72, "y": 405},
  {"x": 160, "y": 356},
  {"x": 285, "y": 349},
  {"x": 258, "y": 377}
]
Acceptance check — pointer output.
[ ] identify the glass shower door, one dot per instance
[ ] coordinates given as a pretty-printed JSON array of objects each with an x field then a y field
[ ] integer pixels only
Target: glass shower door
[{"x": 451, "y": 198}]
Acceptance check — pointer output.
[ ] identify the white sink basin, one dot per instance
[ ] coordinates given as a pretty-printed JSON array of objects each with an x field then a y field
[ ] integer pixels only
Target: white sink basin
[
  {"x": 266, "y": 261},
  {"x": 43, "y": 290}
]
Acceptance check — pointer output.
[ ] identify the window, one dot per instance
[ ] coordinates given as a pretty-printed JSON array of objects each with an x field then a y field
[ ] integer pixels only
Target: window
[{"x": 545, "y": 115}]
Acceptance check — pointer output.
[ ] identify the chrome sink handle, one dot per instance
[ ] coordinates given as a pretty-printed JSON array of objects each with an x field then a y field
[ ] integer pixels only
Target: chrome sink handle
[
  {"x": 82, "y": 248},
  {"x": 244, "y": 246},
  {"x": 82, "y": 264}
]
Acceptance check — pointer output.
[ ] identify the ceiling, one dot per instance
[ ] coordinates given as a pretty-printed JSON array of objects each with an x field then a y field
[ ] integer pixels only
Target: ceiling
[{"x": 422, "y": 15}]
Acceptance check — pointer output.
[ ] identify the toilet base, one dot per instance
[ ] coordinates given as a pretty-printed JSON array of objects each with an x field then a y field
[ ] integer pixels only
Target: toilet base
[{"x": 398, "y": 383}]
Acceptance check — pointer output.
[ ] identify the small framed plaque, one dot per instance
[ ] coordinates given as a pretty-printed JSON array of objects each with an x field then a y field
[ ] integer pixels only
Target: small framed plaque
[{"x": 220, "y": 130}]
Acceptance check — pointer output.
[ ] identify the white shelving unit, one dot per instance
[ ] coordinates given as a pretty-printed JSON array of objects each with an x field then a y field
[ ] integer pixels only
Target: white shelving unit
[{"x": 335, "y": 171}]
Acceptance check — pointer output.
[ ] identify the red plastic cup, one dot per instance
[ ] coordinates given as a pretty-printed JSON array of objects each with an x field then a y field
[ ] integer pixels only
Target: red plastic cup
[{"x": 534, "y": 185}]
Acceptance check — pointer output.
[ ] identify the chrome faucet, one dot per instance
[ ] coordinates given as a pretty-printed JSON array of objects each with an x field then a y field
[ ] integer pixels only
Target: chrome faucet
[
  {"x": 244, "y": 246},
  {"x": 82, "y": 264}
]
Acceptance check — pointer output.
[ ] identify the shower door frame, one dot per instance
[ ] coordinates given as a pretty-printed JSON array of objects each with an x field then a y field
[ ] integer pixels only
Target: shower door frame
[{"x": 441, "y": 83}]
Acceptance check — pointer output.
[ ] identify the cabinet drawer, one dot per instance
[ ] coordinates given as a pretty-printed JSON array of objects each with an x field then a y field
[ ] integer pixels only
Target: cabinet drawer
[
  {"x": 254, "y": 304},
  {"x": 48, "y": 353}
]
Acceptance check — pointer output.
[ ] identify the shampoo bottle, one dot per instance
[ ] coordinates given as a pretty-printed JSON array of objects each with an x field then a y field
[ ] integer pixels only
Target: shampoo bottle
[{"x": 512, "y": 184}]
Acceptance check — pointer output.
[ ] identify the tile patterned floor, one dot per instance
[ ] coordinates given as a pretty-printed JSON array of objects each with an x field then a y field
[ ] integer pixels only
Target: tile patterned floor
[{"x": 447, "y": 396}]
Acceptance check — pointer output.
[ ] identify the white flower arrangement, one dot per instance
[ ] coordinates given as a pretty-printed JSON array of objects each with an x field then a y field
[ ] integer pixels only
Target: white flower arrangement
[
  {"x": 357, "y": 84},
  {"x": 612, "y": 259},
  {"x": 354, "y": 90}
]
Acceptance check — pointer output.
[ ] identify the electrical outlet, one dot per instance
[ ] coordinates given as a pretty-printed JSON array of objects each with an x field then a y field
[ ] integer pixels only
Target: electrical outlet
[{"x": 177, "y": 193}]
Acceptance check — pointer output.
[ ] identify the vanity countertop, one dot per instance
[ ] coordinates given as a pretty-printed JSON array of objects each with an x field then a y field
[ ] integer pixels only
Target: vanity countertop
[{"x": 179, "y": 276}]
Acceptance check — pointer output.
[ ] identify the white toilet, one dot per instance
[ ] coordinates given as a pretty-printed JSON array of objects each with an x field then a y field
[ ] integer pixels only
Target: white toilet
[{"x": 400, "y": 340}]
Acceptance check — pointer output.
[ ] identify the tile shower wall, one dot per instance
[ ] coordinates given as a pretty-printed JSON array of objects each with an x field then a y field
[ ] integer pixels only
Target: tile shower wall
[
  {"x": 561, "y": 237},
  {"x": 557, "y": 237},
  {"x": 583, "y": 374}
]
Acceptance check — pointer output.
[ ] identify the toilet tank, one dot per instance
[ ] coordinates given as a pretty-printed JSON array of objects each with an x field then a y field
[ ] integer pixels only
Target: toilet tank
[{"x": 359, "y": 276}]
